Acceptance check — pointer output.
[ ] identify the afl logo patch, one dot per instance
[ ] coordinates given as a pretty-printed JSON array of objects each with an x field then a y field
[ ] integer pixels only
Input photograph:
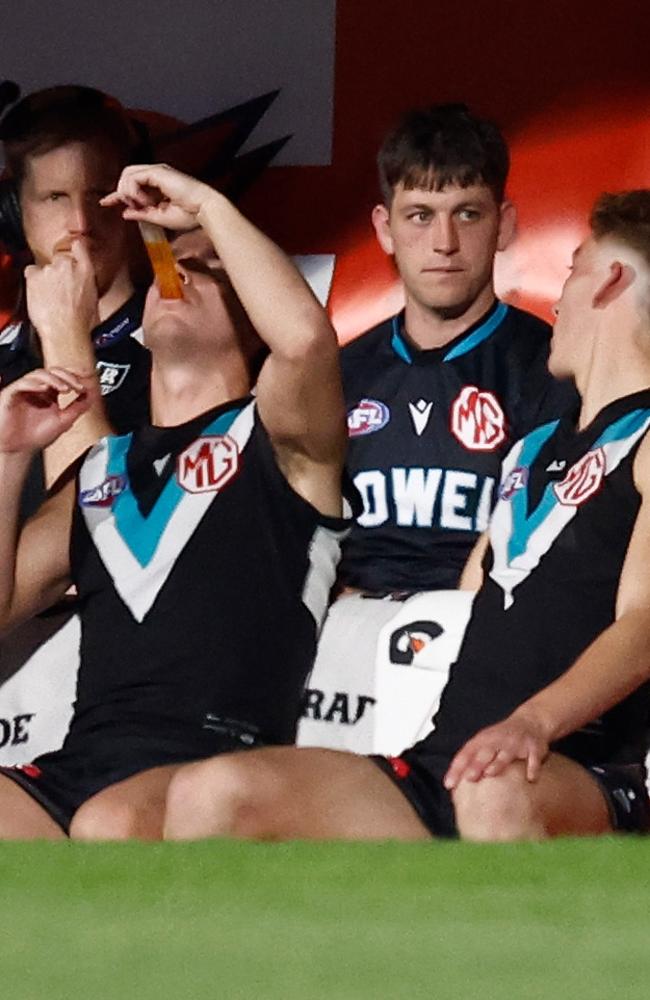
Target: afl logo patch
[
  {"x": 104, "y": 494},
  {"x": 208, "y": 464},
  {"x": 368, "y": 416},
  {"x": 409, "y": 640},
  {"x": 477, "y": 420},
  {"x": 582, "y": 480},
  {"x": 111, "y": 376},
  {"x": 515, "y": 480}
]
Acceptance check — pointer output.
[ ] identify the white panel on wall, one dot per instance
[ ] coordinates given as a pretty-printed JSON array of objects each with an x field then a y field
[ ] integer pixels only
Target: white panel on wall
[{"x": 187, "y": 59}]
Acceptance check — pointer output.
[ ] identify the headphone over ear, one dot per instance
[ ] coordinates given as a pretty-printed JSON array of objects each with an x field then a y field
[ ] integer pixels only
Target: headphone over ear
[
  {"x": 68, "y": 99},
  {"x": 11, "y": 228}
]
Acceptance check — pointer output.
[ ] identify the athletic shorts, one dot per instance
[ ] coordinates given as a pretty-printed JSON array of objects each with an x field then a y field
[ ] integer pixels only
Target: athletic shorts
[
  {"x": 419, "y": 778},
  {"x": 61, "y": 781}
]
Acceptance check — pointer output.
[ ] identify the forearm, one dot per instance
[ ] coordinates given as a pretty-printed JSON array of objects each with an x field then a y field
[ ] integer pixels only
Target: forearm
[
  {"x": 13, "y": 472},
  {"x": 277, "y": 299},
  {"x": 75, "y": 352},
  {"x": 612, "y": 667}
]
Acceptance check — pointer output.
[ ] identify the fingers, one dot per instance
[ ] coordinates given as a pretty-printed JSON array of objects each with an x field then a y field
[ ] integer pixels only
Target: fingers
[
  {"x": 50, "y": 381},
  {"x": 139, "y": 186}
]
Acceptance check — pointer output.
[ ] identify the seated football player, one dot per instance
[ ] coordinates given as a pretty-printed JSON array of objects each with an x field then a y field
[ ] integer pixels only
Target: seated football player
[
  {"x": 203, "y": 546},
  {"x": 543, "y": 727}
]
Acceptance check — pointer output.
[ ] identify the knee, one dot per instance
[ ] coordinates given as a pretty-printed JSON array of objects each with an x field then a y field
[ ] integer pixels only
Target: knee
[
  {"x": 502, "y": 808},
  {"x": 102, "y": 819},
  {"x": 227, "y": 796}
]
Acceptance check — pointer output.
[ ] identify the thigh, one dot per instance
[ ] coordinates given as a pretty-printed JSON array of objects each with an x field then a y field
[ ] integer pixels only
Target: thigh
[
  {"x": 131, "y": 808},
  {"x": 283, "y": 793},
  {"x": 22, "y": 817},
  {"x": 570, "y": 799}
]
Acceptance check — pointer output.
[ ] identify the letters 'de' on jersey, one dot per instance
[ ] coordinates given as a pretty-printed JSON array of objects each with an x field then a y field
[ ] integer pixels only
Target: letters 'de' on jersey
[
  {"x": 203, "y": 578},
  {"x": 427, "y": 433},
  {"x": 558, "y": 539}
]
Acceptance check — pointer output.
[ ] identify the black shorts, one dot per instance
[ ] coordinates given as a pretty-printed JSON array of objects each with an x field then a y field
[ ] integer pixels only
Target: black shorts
[
  {"x": 61, "y": 781},
  {"x": 419, "y": 778}
]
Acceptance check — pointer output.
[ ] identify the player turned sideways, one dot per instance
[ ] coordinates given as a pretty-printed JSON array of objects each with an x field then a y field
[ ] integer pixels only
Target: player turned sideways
[
  {"x": 203, "y": 546},
  {"x": 543, "y": 727}
]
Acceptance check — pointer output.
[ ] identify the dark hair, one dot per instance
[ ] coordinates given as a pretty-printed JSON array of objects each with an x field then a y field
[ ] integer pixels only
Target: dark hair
[
  {"x": 440, "y": 145},
  {"x": 50, "y": 118},
  {"x": 626, "y": 217}
]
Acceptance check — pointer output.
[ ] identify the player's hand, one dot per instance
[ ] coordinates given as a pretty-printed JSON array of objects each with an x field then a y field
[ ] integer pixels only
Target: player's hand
[
  {"x": 159, "y": 194},
  {"x": 62, "y": 296},
  {"x": 30, "y": 415},
  {"x": 519, "y": 737}
]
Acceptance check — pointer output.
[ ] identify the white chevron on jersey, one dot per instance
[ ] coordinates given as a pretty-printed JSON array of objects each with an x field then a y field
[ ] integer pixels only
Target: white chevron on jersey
[
  {"x": 139, "y": 562},
  {"x": 520, "y": 539}
]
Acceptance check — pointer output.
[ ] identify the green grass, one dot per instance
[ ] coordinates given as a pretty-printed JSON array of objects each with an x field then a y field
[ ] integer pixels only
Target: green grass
[{"x": 309, "y": 921}]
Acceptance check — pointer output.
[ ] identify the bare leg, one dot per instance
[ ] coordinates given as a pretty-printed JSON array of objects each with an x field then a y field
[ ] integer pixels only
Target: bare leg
[
  {"x": 566, "y": 800},
  {"x": 282, "y": 793},
  {"x": 21, "y": 817},
  {"x": 133, "y": 808}
]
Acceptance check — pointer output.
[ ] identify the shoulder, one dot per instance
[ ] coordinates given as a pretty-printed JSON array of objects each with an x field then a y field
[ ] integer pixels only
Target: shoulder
[
  {"x": 523, "y": 325},
  {"x": 368, "y": 342}
]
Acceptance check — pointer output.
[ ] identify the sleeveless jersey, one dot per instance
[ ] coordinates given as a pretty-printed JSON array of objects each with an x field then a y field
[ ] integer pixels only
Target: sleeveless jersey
[
  {"x": 558, "y": 538},
  {"x": 428, "y": 431},
  {"x": 202, "y": 579}
]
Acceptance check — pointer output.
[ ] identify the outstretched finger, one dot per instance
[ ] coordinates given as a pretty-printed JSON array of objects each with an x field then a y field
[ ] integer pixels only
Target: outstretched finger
[{"x": 533, "y": 763}]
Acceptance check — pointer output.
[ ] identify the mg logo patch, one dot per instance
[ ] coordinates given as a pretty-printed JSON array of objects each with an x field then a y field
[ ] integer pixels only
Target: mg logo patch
[
  {"x": 367, "y": 417},
  {"x": 582, "y": 480},
  {"x": 477, "y": 420},
  {"x": 111, "y": 376},
  {"x": 208, "y": 464}
]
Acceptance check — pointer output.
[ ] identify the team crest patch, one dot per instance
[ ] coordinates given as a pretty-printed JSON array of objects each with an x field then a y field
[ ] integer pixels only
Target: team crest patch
[
  {"x": 104, "y": 494},
  {"x": 368, "y": 416},
  {"x": 515, "y": 480},
  {"x": 582, "y": 480},
  {"x": 111, "y": 376},
  {"x": 208, "y": 464},
  {"x": 477, "y": 420}
]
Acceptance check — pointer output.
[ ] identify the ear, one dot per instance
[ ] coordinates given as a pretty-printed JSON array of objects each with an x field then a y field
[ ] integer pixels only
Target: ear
[
  {"x": 381, "y": 222},
  {"x": 618, "y": 279},
  {"x": 507, "y": 225}
]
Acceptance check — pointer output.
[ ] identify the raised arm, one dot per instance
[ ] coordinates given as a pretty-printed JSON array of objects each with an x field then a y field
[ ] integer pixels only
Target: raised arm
[
  {"x": 62, "y": 305},
  {"x": 299, "y": 392},
  {"x": 615, "y": 664},
  {"x": 34, "y": 565}
]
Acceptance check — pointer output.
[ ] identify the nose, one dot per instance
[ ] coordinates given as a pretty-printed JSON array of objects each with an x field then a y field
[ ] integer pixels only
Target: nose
[
  {"x": 444, "y": 234},
  {"x": 79, "y": 218}
]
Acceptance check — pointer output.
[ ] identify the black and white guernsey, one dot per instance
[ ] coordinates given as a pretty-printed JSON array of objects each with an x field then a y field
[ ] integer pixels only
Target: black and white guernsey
[{"x": 428, "y": 431}]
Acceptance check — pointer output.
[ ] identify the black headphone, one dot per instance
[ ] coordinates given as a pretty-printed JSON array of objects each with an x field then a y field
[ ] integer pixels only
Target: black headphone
[{"x": 17, "y": 122}]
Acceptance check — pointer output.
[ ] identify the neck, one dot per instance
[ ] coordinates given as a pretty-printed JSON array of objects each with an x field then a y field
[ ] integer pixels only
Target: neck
[
  {"x": 428, "y": 327},
  {"x": 120, "y": 292},
  {"x": 182, "y": 390},
  {"x": 618, "y": 366}
]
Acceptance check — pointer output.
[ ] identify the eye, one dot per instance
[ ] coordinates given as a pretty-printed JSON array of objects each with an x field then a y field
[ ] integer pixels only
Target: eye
[
  {"x": 469, "y": 214},
  {"x": 54, "y": 196},
  {"x": 420, "y": 216}
]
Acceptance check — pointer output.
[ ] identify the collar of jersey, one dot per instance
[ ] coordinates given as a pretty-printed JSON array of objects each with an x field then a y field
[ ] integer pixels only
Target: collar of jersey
[
  {"x": 467, "y": 341},
  {"x": 142, "y": 533},
  {"x": 526, "y": 522},
  {"x": 122, "y": 323}
]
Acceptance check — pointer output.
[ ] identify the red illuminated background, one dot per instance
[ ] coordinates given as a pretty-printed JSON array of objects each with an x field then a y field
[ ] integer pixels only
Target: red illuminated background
[{"x": 568, "y": 82}]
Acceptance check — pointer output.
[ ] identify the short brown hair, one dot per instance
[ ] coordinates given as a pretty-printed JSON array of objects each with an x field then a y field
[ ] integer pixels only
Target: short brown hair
[
  {"x": 625, "y": 216},
  {"x": 440, "y": 145},
  {"x": 54, "y": 117}
]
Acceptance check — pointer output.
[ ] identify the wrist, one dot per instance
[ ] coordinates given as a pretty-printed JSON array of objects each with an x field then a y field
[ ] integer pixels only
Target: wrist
[
  {"x": 536, "y": 715},
  {"x": 209, "y": 205}
]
